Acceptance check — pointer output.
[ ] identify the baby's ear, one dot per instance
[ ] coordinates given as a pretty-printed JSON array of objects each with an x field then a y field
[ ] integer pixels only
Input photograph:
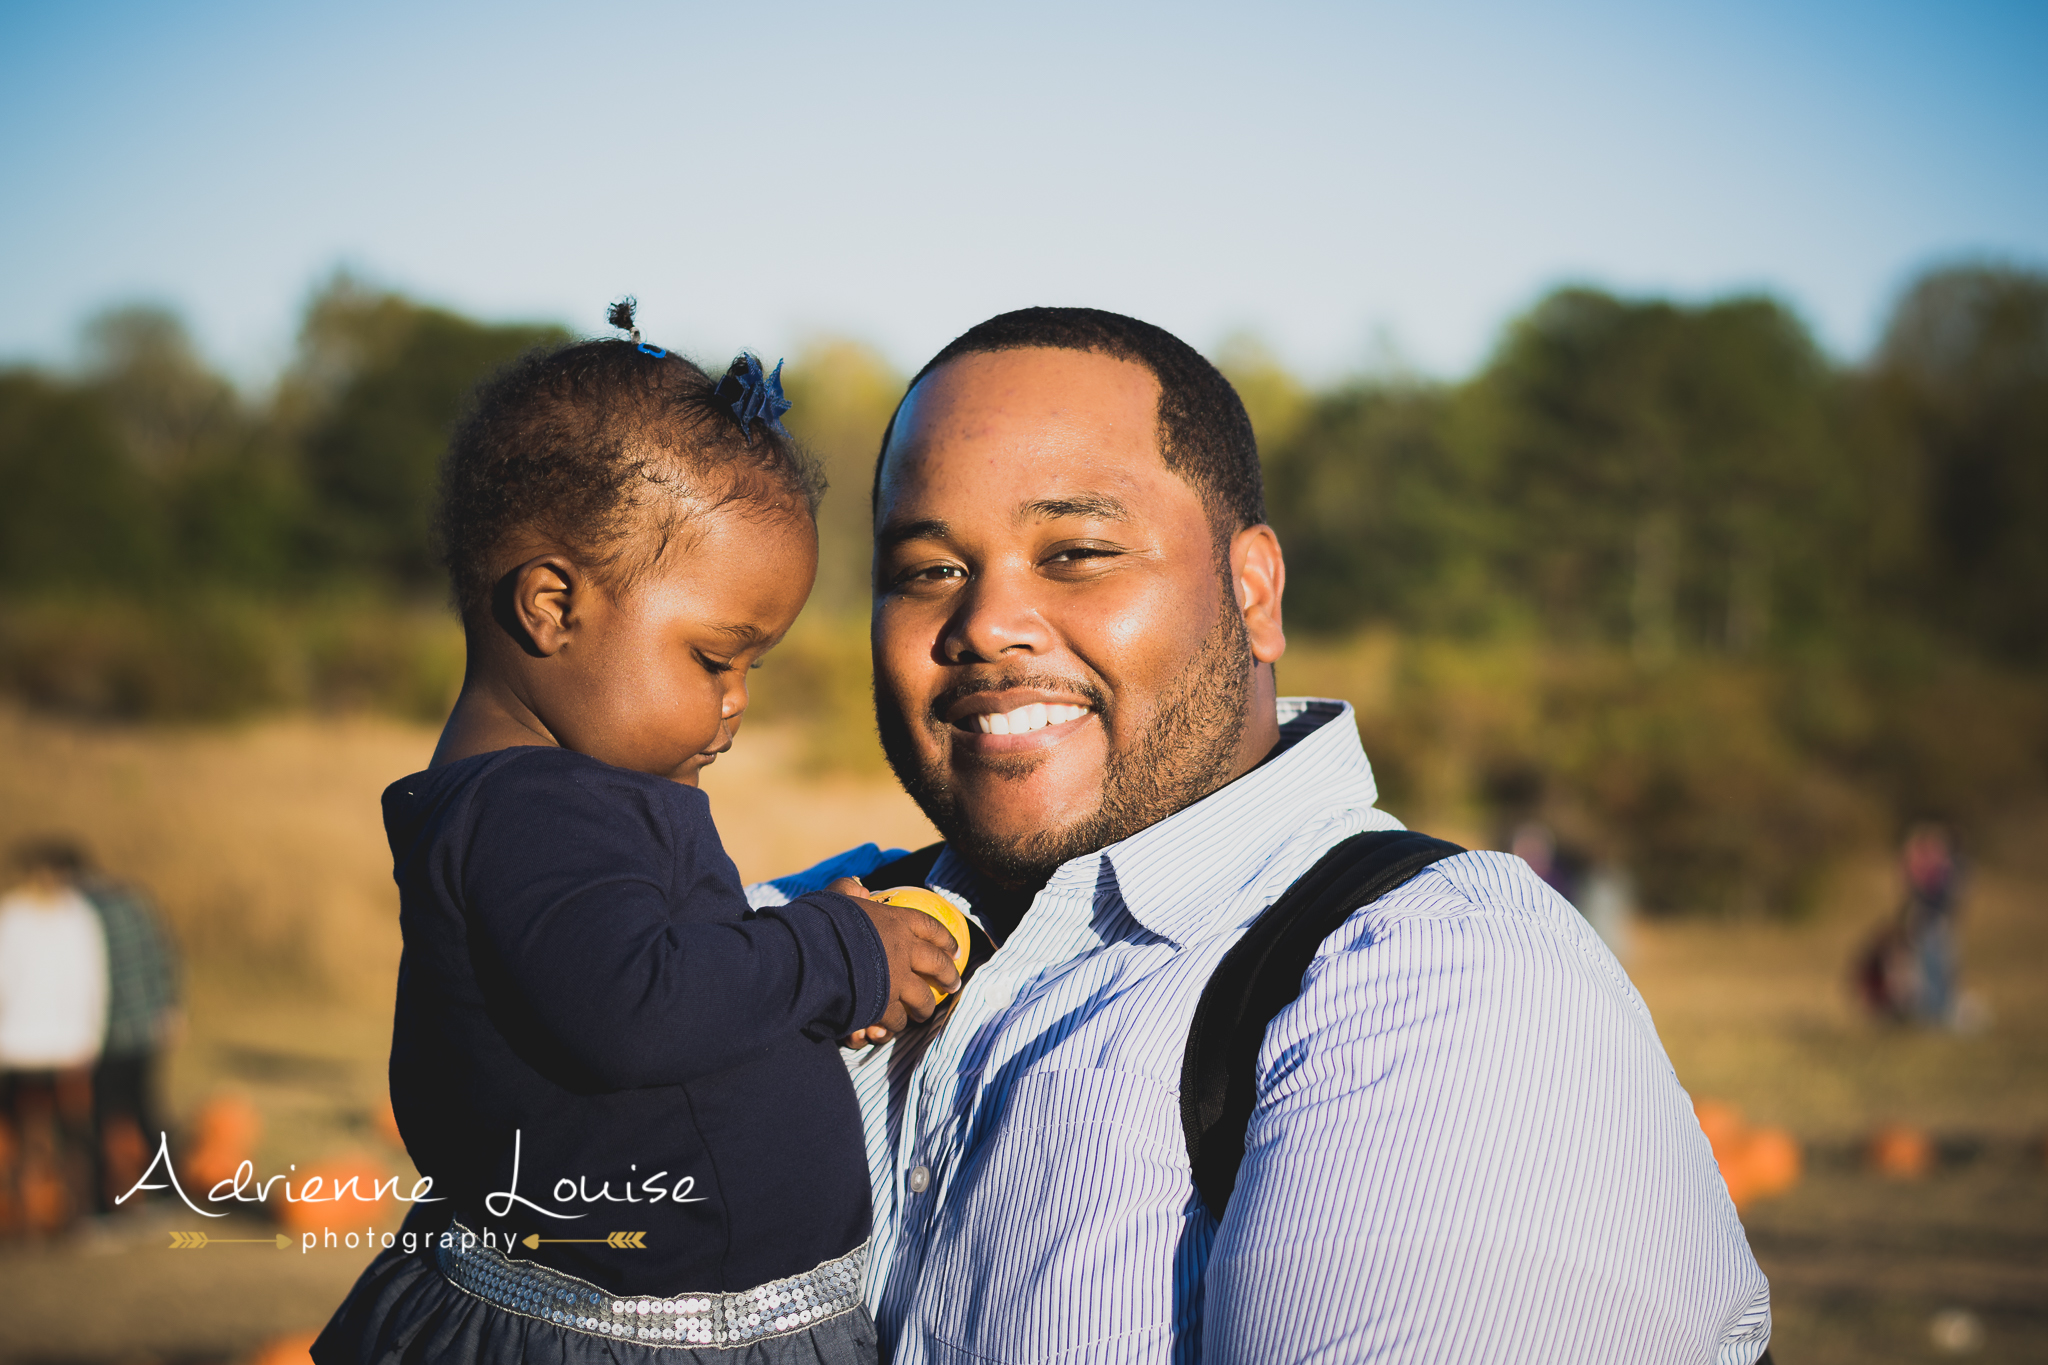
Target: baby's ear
[{"x": 535, "y": 604}]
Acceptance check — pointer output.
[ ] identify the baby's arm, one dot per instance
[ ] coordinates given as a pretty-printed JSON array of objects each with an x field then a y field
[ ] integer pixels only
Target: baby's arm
[
  {"x": 920, "y": 951},
  {"x": 569, "y": 888}
]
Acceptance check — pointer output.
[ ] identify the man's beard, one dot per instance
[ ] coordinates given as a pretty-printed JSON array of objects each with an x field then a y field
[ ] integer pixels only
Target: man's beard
[{"x": 1188, "y": 752}]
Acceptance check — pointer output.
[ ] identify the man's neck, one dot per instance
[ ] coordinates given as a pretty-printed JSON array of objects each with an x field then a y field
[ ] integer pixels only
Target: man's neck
[{"x": 1260, "y": 739}]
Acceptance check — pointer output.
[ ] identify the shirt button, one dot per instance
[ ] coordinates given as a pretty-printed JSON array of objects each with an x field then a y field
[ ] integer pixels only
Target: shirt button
[{"x": 920, "y": 1179}]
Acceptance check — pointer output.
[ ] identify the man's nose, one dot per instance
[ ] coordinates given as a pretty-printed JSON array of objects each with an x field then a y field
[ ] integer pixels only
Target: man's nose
[{"x": 997, "y": 616}]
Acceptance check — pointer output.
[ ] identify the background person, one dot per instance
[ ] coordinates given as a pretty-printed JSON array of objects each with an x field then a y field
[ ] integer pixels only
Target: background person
[
  {"x": 53, "y": 1019},
  {"x": 143, "y": 1020},
  {"x": 1933, "y": 876}
]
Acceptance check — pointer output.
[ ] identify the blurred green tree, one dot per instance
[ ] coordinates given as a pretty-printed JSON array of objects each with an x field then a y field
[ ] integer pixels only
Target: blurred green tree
[
  {"x": 1379, "y": 519},
  {"x": 171, "y": 408},
  {"x": 841, "y": 396},
  {"x": 78, "y": 512},
  {"x": 1962, "y": 379},
  {"x": 1620, "y": 471},
  {"x": 1275, "y": 400},
  {"x": 1661, "y": 475},
  {"x": 228, "y": 490},
  {"x": 378, "y": 384}
]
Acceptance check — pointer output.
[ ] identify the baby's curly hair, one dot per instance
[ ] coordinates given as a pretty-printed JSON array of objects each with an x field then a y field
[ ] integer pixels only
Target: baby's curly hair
[{"x": 608, "y": 448}]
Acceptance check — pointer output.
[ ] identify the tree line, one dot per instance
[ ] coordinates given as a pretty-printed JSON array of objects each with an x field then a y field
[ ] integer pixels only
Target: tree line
[
  {"x": 1671, "y": 478},
  {"x": 149, "y": 474},
  {"x": 1689, "y": 479}
]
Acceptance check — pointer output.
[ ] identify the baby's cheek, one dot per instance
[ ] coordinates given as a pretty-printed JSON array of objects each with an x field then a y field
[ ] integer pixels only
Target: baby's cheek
[
  {"x": 674, "y": 721},
  {"x": 702, "y": 713},
  {"x": 694, "y": 727}
]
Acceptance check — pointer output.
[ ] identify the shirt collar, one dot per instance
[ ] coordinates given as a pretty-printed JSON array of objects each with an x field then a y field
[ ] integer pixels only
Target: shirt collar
[{"x": 1174, "y": 875}]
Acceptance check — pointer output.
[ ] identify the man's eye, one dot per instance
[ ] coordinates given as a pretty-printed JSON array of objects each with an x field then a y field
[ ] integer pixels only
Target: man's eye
[
  {"x": 712, "y": 665},
  {"x": 1076, "y": 554},
  {"x": 924, "y": 574}
]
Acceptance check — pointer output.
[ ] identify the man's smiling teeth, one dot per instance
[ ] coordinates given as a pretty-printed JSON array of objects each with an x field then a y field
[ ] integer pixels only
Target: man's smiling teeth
[{"x": 1025, "y": 719}]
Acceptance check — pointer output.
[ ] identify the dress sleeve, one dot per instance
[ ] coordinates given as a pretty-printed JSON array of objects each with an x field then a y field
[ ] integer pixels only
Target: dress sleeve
[
  {"x": 1469, "y": 1145},
  {"x": 611, "y": 912}
]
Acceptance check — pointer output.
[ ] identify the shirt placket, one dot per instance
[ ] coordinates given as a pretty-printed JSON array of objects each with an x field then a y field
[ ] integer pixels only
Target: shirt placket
[{"x": 928, "y": 1162}]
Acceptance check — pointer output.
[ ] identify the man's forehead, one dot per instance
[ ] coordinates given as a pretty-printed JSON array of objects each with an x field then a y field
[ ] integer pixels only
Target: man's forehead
[
  {"x": 1063, "y": 419},
  {"x": 1037, "y": 378}
]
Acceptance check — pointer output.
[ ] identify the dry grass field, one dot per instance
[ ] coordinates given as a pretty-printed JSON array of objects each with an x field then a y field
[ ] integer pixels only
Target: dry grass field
[
  {"x": 1860, "y": 1265},
  {"x": 264, "y": 847}
]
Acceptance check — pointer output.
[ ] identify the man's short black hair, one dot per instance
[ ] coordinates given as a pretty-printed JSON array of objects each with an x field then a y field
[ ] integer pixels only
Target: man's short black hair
[{"x": 1204, "y": 434}]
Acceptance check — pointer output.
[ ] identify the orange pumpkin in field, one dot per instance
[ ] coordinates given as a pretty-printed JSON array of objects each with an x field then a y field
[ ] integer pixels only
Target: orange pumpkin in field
[
  {"x": 1900, "y": 1151},
  {"x": 1722, "y": 1123},
  {"x": 224, "y": 1134},
  {"x": 1772, "y": 1162},
  {"x": 46, "y": 1203},
  {"x": 296, "y": 1349},
  {"x": 313, "y": 1205},
  {"x": 1756, "y": 1163}
]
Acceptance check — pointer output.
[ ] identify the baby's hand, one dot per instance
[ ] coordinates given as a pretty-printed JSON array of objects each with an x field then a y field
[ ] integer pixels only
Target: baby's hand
[{"x": 920, "y": 952}]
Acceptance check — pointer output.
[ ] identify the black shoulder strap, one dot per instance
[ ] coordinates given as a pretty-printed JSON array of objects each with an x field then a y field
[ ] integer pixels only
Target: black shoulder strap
[
  {"x": 909, "y": 870},
  {"x": 1260, "y": 976}
]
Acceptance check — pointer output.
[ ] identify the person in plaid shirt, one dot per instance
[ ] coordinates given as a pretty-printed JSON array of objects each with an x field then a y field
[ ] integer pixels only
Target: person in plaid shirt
[{"x": 143, "y": 1015}]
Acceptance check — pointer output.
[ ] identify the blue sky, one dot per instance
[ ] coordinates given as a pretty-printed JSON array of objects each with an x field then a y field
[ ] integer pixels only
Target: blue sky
[{"x": 1351, "y": 183}]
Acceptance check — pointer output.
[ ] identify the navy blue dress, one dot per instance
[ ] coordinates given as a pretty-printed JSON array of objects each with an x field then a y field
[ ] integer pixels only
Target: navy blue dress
[{"x": 591, "y": 1022}]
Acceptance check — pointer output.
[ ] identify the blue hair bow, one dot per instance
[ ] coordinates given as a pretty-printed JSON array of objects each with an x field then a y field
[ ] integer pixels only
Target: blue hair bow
[{"x": 753, "y": 396}]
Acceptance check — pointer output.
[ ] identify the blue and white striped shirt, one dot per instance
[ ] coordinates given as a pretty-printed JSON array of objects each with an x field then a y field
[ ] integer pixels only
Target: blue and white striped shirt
[{"x": 1469, "y": 1144}]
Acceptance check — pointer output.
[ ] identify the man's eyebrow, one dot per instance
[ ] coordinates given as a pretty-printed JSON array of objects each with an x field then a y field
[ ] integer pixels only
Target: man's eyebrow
[
  {"x": 740, "y": 634},
  {"x": 931, "y": 528},
  {"x": 1099, "y": 506}
]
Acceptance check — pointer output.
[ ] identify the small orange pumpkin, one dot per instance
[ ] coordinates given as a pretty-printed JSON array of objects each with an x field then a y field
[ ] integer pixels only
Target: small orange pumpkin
[
  {"x": 224, "y": 1133},
  {"x": 1900, "y": 1151},
  {"x": 1756, "y": 1163},
  {"x": 1771, "y": 1159},
  {"x": 296, "y": 1349}
]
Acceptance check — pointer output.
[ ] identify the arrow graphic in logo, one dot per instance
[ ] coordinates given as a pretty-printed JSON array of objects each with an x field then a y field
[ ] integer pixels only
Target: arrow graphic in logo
[
  {"x": 624, "y": 1241},
  {"x": 196, "y": 1241}
]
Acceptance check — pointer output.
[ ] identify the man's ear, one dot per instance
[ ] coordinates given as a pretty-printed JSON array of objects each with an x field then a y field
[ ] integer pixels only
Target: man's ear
[
  {"x": 1258, "y": 575},
  {"x": 540, "y": 603}
]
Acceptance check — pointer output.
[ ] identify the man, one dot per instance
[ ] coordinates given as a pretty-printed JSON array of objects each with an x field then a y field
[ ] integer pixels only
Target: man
[{"x": 1468, "y": 1143}]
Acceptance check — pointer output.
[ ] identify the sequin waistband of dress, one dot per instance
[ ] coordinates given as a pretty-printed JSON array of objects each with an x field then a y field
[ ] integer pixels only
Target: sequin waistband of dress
[{"x": 680, "y": 1320}]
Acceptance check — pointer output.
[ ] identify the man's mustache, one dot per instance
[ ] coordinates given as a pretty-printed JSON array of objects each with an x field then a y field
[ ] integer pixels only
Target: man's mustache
[{"x": 952, "y": 695}]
